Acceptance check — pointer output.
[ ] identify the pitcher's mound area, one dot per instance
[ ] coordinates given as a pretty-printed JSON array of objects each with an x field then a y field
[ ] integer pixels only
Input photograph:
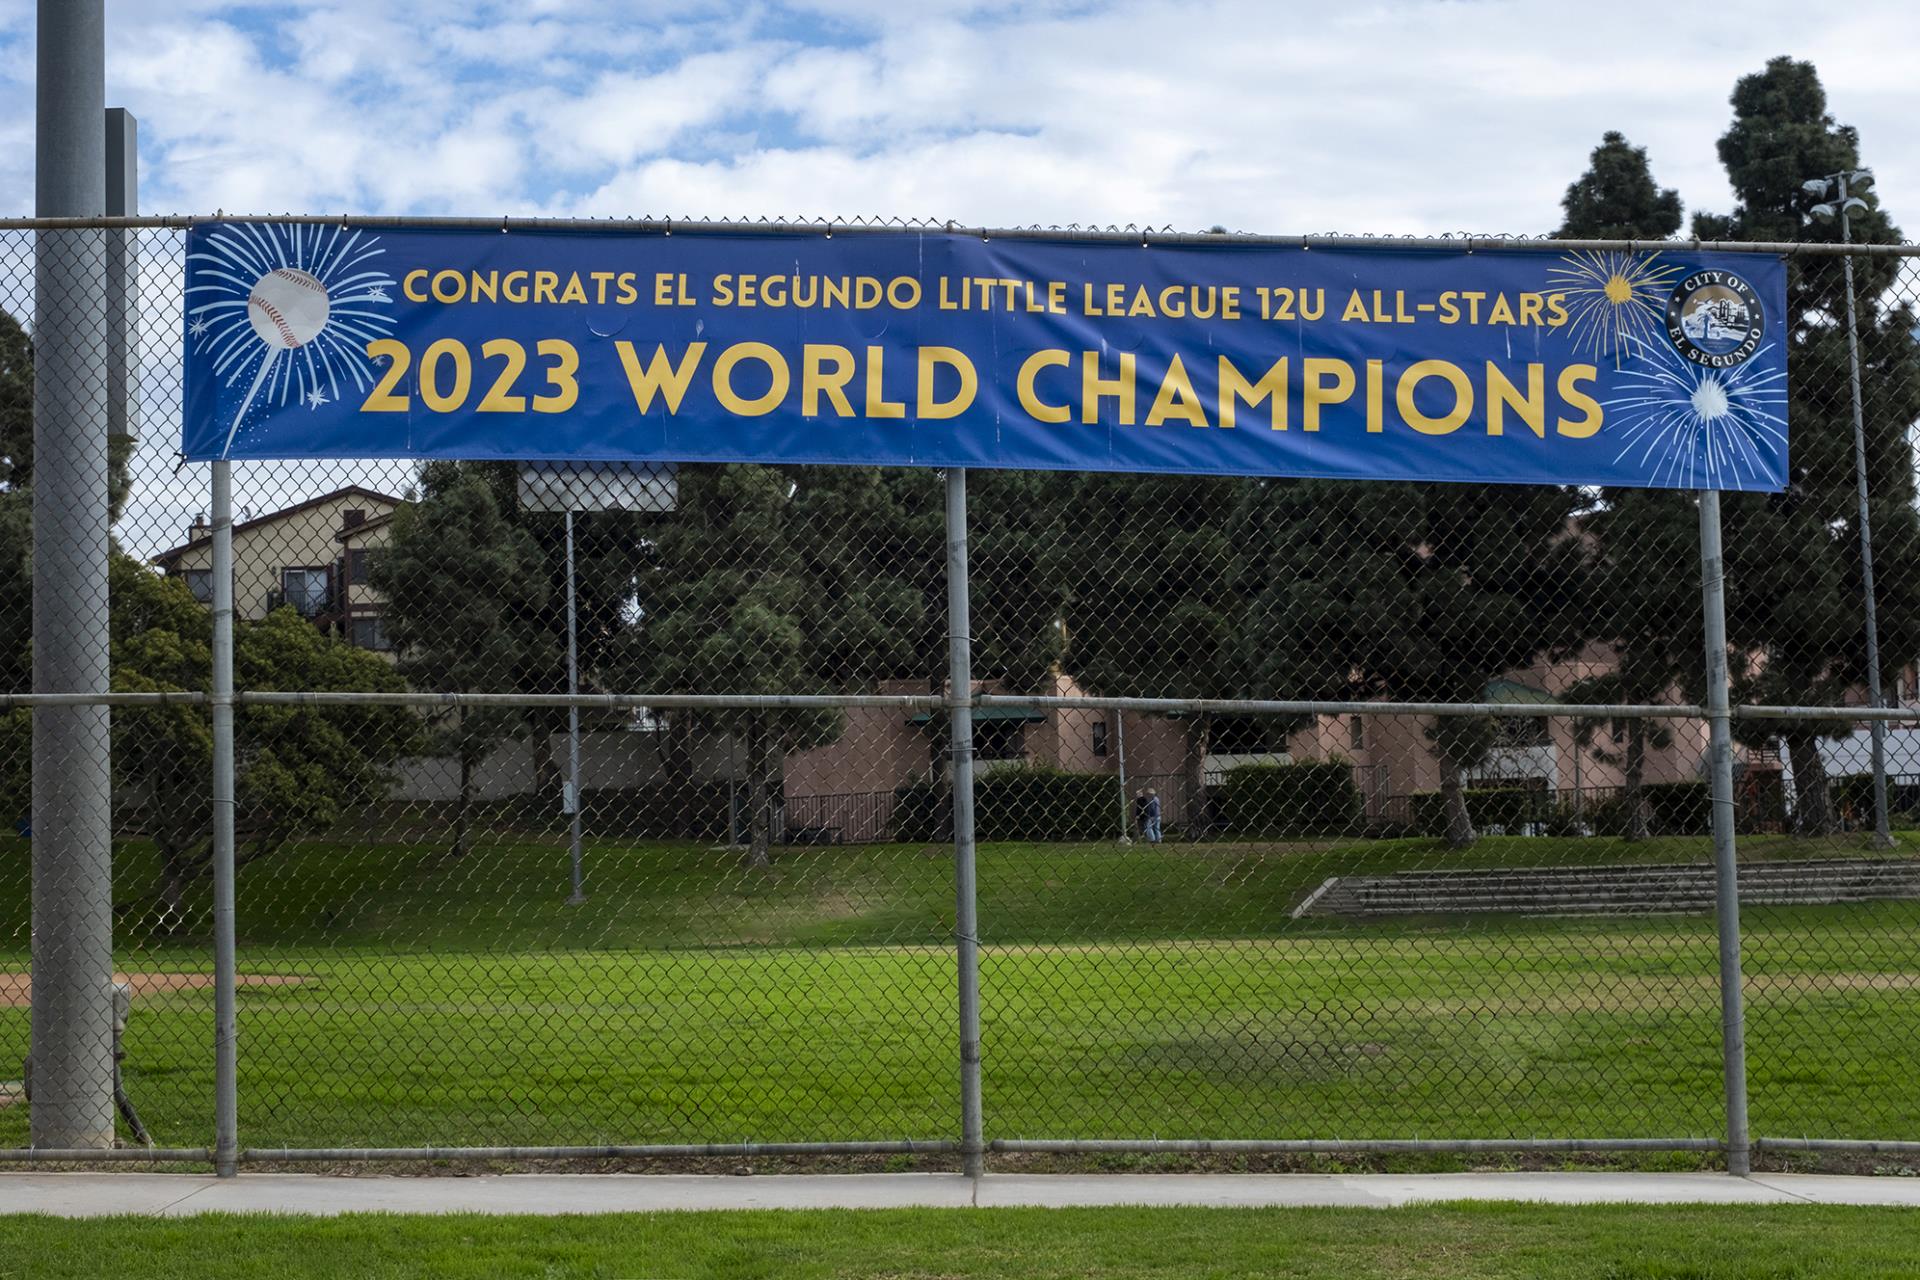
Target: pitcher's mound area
[{"x": 16, "y": 989}]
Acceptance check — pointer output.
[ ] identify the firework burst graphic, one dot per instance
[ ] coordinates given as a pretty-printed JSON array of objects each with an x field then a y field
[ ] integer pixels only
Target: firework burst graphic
[
  {"x": 1698, "y": 427},
  {"x": 1615, "y": 300},
  {"x": 287, "y": 310}
]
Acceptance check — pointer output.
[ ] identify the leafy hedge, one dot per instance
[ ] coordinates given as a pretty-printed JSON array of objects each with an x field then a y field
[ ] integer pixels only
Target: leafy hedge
[
  {"x": 1309, "y": 798},
  {"x": 1015, "y": 804},
  {"x": 1673, "y": 809},
  {"x": 922, "y": 811},
  {"x": 1509, "y": 808}
]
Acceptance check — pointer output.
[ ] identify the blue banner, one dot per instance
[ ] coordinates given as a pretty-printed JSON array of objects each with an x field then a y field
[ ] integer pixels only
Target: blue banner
[{"x": 1656, "y": 369}]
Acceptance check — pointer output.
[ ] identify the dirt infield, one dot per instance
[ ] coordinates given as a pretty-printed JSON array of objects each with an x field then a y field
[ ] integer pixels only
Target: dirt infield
[{"x": 16, "y": 989}]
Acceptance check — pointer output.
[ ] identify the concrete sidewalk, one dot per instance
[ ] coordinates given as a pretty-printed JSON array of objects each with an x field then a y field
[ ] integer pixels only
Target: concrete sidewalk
[{"x": 85, "y": 1195}]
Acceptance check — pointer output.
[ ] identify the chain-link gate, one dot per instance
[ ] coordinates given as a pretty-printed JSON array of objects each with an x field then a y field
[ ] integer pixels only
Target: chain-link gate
[{"x": 1311, "y": 816}]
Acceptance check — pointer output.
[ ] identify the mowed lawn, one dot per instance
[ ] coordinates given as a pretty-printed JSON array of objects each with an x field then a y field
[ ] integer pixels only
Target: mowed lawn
[
  {"x": 1126, "y": 993},
  {"x": 1609, "y": 1242}
]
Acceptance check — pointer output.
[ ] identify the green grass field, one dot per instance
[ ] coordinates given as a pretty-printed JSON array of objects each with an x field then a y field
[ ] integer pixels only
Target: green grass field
[
  {"x": 1126, "y": 993},
  {"x": 1432, "y": 1243}
]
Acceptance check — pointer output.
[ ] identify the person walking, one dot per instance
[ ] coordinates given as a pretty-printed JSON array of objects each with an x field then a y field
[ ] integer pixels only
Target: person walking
[{"x": 1151, "y": 827}]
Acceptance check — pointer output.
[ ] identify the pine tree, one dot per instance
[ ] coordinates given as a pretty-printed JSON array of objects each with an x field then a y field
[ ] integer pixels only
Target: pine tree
[
  {"x": 772, "y": 581},
  {"x": 1414, "y": 593},
  {"x": 464, "y": 591},
  {"x": 16, "y": 499},
  {"x": 1795, "y": 608},
  {"x": 609, "y": 549},
  {"x": 1617, "y": 198},
  {"x": 1155, "y": 597},
  {"x": 1645, "y": 617}
]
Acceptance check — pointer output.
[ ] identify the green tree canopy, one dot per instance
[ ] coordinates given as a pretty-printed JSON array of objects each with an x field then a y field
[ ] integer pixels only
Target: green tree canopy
[
  {"x": 465, "y": 589},
  {"x": 298, "y": 768},
  {"x": 1636, "y": 605},
  {"x": 1617, "y": 198},
  {"x": 1155, "y": 595},
  {"x": 772, "y": 580},
  {"x": 1795, "y": 613},
  {"x": 1414, "y": 593}
]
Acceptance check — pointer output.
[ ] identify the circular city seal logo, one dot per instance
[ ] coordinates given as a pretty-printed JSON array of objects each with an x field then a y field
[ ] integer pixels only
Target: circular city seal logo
[{"x": 1714, "y": 319}]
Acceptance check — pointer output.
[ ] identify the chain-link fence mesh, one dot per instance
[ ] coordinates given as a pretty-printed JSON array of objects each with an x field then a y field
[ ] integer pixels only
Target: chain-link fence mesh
[{"x": 1231, "y": 887}]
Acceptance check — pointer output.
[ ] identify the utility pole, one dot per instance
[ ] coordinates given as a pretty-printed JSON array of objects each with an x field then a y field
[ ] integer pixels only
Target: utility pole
[{"x": 72, "y": 1017}]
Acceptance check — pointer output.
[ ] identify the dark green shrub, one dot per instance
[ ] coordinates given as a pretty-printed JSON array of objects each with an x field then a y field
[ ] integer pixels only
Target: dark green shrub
[
  {"x": 1309, "y": 798},
  {"x": 1673, "y": 809},
  {"x": 1511, "y": 809},
  {"x": 923, "y": 810},
  {"x": 1046, "y": 804},
  {"x": 1014, "y": 804},
  {"x": 1679, "y": 808}
]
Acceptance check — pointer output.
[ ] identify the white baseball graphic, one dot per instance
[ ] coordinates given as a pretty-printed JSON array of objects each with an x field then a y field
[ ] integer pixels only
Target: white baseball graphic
[
  {"x": 287, "y": 312},
  {"x": 288, "y": 307}
]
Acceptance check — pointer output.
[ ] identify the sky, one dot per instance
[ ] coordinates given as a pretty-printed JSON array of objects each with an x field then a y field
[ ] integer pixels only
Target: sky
[
  {"x": 1378, "y": 116},
  {"x": 1393, "y": 117}
]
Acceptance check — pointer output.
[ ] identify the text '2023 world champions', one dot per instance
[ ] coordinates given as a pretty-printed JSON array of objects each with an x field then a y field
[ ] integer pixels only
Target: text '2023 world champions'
[{"x": 1534, "y": 365}]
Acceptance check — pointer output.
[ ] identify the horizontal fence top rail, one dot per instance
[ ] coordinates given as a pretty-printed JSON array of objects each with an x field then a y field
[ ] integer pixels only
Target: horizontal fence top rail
[
  {"x": 1259, "y": 707},
  {"x": 587, "y": 701},
  {"x": 1762, "y": 712},
  {"x": 150, "y": 698},
  {"x": 1145, "y": 236},
  {"x": 936, "y": 702}
]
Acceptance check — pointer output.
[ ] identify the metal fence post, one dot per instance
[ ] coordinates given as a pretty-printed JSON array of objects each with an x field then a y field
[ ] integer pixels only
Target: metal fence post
[
  {"x": 72, "y": 823},
  {"x": 1733, "y": 1032},
  {"x": 226, "y": 1083},
  {"x": 579, "y": 894},
  {"x": 966, "y": 917}
]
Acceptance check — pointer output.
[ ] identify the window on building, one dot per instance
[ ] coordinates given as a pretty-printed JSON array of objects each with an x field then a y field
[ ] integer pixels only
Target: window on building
[
  {"x": 1099, "y": 737},
  {"x": 1000, "y": 740},
  {"x": 200, "y": 582},
  {"x": 362, "y": 562},
  {"x": 369, "y": 631},
  {"x": 1240, "y": 736},
  {"x": 305, "y": 589},
  {"x": 1519, "y": 732},
  {"x": 1356, "y": 733}
]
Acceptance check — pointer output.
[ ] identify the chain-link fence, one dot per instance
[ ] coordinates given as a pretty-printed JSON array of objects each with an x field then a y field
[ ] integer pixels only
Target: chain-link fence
[{"x": 1310, "y": 815}]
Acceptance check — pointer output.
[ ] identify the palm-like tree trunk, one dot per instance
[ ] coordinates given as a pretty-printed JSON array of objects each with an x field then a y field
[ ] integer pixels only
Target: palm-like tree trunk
[
  {"x": 1453, "y": 795},
  {"x": 1635, "y": 791},
  {"x": 1812, "y": 801},
  {"x": 1199, "y": 732}
]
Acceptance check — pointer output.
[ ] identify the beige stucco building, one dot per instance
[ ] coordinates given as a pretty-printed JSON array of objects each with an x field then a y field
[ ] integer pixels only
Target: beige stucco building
[
  {"x": 317, "y": 556},
  {"x": 313, "y": 556}
]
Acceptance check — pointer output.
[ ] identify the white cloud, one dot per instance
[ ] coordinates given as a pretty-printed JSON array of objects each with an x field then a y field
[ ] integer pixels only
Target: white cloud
[{"x": 1381, "y": 115}]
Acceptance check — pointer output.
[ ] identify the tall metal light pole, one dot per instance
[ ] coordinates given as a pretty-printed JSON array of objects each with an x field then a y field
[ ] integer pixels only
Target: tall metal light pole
[
  {"x": 1844, "y": 203},
  {"x": 72, "y": 1017}
]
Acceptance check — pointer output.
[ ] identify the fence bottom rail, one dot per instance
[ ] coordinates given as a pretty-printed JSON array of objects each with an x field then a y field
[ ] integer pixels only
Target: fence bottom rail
[
  {"x": 1836, "y": 1146},
  {"x": 998, "y": 1146},
  {"x": 1337, "y": 1146},
  {"x": 644, "y": 1151},
  {"x": 107, "y": 1155}
]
